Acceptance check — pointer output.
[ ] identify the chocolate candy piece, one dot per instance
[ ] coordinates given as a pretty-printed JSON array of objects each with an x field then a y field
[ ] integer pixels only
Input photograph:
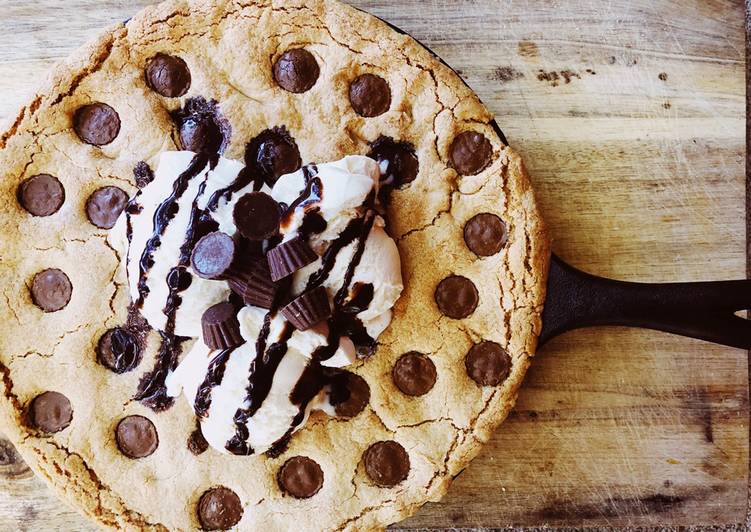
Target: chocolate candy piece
[
  {"x": 300, "y": 477},
  {"x": 201, "y": 127},
  {"x": 350, "y": 394},
  {"x": 41, "y": 195},
  {"x": 213, "y": 255},
  {"x": 296, "y": 70},
  {"x": 97, "y": 124},
  {"x": 272, "y": 154},
  {"x": 105, "y": 205},
  {"x": 136, "y": 437},
  {"x": 414, "y": 374},
  {"x": 221, "y": 330},
  {"x": 471, "y": 153},
  {"x": 456, "y": 297},
  {"x": 254, "y": 284},
  {"x": 168, "y": 75},
  {"x": 118, "y": 350},
  {"x": 50, "y": 412},
  {"x": 257, "y": 216},
  {"x": 197, "y": 444},
  {"x": 51, "y": 290},
  {"x": 370, "y": 95},
  {"x": 308, "y": 309},
  {"x": 487, "y": 364},
  {"x": 288, "y": 257},
  {"x": 219, "y": 509},
  {"x": 402, "y": 161},
  {"x": 485, "y": 234},
  {"x": 386, "y": 463}
]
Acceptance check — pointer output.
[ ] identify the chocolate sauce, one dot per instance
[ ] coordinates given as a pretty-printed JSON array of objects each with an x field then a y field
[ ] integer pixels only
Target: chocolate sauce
[
  {"x": 310, "y": 198},
  {"x": 152, "y": 390},
  {"x": 162, "y": 216},
  {"x": 345, "y": 238},
  {"x": 360, "y": 301},
  {"x": 261, "y": 377},
  {"x": 214, "y": 377}
]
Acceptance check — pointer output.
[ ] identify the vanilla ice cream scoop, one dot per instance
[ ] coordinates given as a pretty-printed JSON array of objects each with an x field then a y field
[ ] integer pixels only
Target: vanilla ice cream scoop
[{"x": 251, "y": 397}]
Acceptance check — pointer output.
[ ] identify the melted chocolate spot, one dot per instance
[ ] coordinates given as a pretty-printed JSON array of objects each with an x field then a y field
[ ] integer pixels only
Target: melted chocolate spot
[
  {"x": 349, "y": 394},
  {"x": 414, "y": 374},
  {"x": 50, "y": 412},
  {"x": 456, "y": 297},
  {"x": 105, "y": 205},
  {"x": 51, "y": 290},
  {"x": 300, "y": 477},
  {"x": 118, "y": 350},
  {"x": 143, "y": 174},
  {"x": 219, "y": 509},
  {"x": 272, "y": 154},
  {"x": 201, "y": 127},
  {"x": 296, "y": 70},
  {"x": 400, "y": 160},
  {"x": 168, "y": 75},
  {"x": 485, "y": 234},
  {"x": 97, "y": 124},
  {"x": 471, "y": 153},
  {"x": 136, "y": 437},
  {"x": 386, "y": 463},
  {"x": 370, "y": 95},
  {"x": 41, "y": 195},
  {"x": 488, "y": 364},
  {"x": 197, "y": 444}
]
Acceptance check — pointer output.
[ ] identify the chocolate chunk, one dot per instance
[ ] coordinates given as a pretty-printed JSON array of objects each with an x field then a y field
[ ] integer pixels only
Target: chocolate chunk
[
  {"x": 257, "y": 216},
  {"x": 300, "y": 477},
  {"x": 197, "y": 444},
  {"x": 213, "y": 256},
  {"x": 296, "y": 70},
  {"x": 288, "y": 257},
  {"x": 456, "y": 297},
  {"x": 272, "y": 154},
  {"x": 414, "y": 374},
  {"x": 402, "y": 164},
  {"x": 308, "y": 309},
  {"x": 136, "y": 437},
  {"x": 386, "y": 463},
  {"x": 253, "y": 283},
  {"x": 219, "y": 509},
  {"x": 471, "y": 153},
  {"x": 201, "y": 127},
  {"x": 350, "y": 394},
  {"x": 118, "y": 350},
  {"x": 143, "y": 174},
  {"x": 370, "y": 95},
  {"x": 487, "y": 364},
  {"x": 105, "y": 205},
  {"x": 221, "y": 330},
  {"x": 485, "y": 234},
  {"x": 97, "y": 124},
  {"x": 41, "y": 195},
  {"x": 168, "y": 75},
  {"x": 51, "y": 290},
  {"x": 50, "y": 412}
]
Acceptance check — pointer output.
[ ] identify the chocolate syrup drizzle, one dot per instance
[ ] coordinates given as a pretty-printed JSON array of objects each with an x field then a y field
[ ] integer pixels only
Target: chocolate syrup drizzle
[
  {"x": 152, "y": 390},
  {"x": 214, "y": 377}
]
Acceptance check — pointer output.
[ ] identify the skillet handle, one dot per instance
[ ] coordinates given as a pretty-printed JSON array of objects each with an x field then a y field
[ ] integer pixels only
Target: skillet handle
[{"x": 704, "y": 310}]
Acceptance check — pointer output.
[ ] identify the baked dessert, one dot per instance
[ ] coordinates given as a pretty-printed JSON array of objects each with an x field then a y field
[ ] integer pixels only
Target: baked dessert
[{"x": 262, "y": 260}]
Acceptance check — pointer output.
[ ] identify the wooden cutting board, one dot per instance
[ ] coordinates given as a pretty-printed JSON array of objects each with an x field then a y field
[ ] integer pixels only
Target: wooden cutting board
[{"x": 630, "y": 114}]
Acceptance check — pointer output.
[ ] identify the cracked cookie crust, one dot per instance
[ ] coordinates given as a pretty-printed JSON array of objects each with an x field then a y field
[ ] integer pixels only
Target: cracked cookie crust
[{"x": 316, "y": 80}]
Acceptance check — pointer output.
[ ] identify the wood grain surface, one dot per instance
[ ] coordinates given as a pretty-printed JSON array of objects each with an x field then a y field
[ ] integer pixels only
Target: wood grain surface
[{"x": 631, "y": 117}]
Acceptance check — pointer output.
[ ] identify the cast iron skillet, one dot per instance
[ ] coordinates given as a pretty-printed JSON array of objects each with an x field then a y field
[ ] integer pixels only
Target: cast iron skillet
[{"x": 576, "y": 299}]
